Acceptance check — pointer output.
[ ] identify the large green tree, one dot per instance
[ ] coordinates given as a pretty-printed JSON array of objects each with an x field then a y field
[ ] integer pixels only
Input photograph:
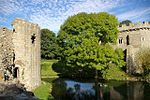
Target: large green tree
[
  {"x": 48, "y": 44},
  {"x": 84, "y": 40},
  {"x": 102, "y": 25}
]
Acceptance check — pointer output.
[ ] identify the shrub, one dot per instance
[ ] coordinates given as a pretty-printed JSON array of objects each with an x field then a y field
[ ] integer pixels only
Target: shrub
[
  {"x": 143, "y": 60},
  {"x": 114, "y": 73}
]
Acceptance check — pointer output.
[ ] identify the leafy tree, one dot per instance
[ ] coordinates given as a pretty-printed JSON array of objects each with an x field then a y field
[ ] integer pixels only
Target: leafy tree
[
  {"x": 48, "y": 44},
  {"x": 126, "y": 22},
  {"x": 84, "y": 40},
  {"x": 102, "y": 25},
  {"x": 143, "y": 60}
]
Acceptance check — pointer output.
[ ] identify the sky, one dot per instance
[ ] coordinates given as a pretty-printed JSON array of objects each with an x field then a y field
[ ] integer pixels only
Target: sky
[{"x": 51, "y": 14}]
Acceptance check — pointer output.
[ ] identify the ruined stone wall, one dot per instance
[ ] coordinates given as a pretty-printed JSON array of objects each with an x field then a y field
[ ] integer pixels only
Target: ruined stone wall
[
  {"x": 131, "y": 38},
  {"x": 6, "y": 48},
  {"x": 26, "y": 40},
  {"x": 20, "y": 53}
]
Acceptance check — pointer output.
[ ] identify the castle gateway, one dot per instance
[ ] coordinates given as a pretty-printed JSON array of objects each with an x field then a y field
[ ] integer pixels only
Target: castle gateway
[{"x": 20, "y": 53}]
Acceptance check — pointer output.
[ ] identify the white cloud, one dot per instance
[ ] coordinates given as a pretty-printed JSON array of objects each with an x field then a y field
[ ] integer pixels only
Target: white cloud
[
  {"x": 53, "y": 18},
  {"x": 3, "y": 19},
  {"x": 52, "y": 13},
  {"x": 134, "y": 14},
  {"x": 8, "y": 6}
]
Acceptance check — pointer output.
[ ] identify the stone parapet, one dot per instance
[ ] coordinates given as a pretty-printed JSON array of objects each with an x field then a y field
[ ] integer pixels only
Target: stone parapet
[{"x": 134, "y": 27}]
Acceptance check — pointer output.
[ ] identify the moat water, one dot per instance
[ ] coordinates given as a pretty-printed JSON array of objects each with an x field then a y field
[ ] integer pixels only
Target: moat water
[{"x": 67, "y": 89}]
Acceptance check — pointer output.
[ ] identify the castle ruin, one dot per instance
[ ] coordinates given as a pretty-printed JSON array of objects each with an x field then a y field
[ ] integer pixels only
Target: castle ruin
[
  {"x": 20, "y": 53},
  {"x": 20, "y": 50},
  {"x": 131, "y": 39}
]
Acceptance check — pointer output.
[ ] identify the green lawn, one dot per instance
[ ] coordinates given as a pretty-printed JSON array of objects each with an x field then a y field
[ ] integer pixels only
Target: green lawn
[
  {"x": 46, "y": 68},
  {"x": 48, "y": 75}
]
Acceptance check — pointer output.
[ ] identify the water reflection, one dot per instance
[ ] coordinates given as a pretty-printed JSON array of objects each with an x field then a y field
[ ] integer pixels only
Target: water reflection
[{"x": 64, "y": 89}]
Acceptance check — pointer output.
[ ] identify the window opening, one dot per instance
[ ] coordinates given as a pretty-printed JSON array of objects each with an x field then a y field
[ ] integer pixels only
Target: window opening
[
  {"x": 33, "y": 38},
  {"x": 143, "y": 38},
  {"x": 127, "y": 38},
  {"x": 120, "y": 40}
]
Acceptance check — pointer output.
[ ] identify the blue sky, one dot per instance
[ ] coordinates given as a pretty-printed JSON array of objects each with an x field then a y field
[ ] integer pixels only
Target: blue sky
[{"x": 52, "y": 13}]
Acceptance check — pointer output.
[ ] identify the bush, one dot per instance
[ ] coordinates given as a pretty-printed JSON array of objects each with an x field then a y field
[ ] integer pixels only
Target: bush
[
  {"x": 143, "y": 60},
  {"x": 114, "y": 73}
]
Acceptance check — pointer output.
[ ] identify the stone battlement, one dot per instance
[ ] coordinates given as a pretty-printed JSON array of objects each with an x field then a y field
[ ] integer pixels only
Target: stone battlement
[
  {"x": 23, "y": 22},
  {"x": 134, "y": 27}
]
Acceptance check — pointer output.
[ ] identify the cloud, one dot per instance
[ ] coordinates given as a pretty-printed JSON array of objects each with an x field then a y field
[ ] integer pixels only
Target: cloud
[
  {"x": 135, "y": 14},
  {"x": 54, "y": 17},
  {"x": 8, "y": 6},
  {"x": 52, "y": 13}
]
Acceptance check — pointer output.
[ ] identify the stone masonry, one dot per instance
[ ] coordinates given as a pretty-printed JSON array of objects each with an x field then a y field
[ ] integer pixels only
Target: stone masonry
[
  {"x": 131, "y": 39},
  {"x": 20, "y": 53}
]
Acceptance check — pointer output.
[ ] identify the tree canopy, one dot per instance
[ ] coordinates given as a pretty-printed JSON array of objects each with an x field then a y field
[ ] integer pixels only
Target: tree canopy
[
  {"x": 126, "y": 22},
  {"x": 48, "y": 44},
  {"x": 102, "y": 25},
  {"x": 84, "y": 40}
]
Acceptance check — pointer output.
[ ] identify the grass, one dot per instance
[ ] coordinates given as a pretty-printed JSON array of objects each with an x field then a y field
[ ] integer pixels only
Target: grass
[
  {"x": 46, "y": 68},
  {"x": 48, "y": 75}
]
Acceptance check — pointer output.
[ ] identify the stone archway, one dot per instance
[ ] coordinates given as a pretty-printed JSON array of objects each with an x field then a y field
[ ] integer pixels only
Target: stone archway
[{"x": 17, "y": 70}]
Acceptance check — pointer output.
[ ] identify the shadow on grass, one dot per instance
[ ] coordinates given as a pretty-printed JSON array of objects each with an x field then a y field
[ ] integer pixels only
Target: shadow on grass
[{"x": 72, "y": 71}]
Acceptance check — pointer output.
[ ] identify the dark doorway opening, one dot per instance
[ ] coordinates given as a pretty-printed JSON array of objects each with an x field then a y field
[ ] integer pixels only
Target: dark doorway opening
[
  {"x": 125, "y": 59},
  {"x": 127, "y": 38},
  {"x": 15, "y": 74}
]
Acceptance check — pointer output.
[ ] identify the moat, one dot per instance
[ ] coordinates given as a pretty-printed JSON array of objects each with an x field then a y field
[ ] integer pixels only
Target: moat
[{"x": 67, "y": 89}]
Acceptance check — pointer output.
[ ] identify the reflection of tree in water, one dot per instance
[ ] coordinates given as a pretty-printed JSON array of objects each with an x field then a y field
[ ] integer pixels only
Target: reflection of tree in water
[
  {"x": 61, "y": 92},
  {"x": 59, "y": 89},
  {"x": 101, "y": 91},
  {"x": 79, "y": 94},
  {"x": 114, "y": 90},
  {"x": 146, "y": 91}
]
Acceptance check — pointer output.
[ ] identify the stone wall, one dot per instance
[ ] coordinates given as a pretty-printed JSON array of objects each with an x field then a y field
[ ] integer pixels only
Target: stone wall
[
  {"x": 132, "y": 38},
  {"x": 6, "y": 48}
]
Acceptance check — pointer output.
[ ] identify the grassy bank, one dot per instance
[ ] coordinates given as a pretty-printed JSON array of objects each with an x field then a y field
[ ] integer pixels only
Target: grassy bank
[
  {"x": 46, "y": 69},
  {"x": 47, "y": 75}
]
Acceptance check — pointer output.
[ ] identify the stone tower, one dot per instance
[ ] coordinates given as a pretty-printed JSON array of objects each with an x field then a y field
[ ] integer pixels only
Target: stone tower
[
  {"x": 26, "y": 41},
  {"x": 20, "y": 53}
]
